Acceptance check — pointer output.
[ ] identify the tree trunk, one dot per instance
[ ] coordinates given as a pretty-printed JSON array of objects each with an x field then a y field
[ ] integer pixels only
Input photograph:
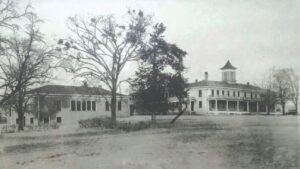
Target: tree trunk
[
  {"x": 179, "y": 113},
  {"x": 283, "y": 108},
  {"x": 296, "y": 107},
  {"x": 177, "y": 116},
  {"x": 113, "y": 104},
  {"x": 153, "y": 118},
  {"x": 20, "y": 111},
  {"x": 268, "y": 109}
]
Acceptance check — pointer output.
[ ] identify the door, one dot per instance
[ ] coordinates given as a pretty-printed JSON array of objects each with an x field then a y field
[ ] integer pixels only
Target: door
[
  {"x": 192, "y": 105},
  {"x": 131, "y": 110}
]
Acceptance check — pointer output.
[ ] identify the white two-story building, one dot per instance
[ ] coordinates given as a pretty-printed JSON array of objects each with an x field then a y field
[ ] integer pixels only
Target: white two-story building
[{"x": 225, "y": 96}]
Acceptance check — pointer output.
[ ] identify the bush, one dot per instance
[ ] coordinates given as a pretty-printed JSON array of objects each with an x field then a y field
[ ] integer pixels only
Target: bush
[
  {"x": 106, "y": 123},
  {"x": 8, "y": 128},
  {"x": 54, "y": 125},
  {"x": 95, "y": 122}
]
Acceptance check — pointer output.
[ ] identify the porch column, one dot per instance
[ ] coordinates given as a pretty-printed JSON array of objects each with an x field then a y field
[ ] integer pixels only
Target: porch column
[
  {"x": 207, "y": 106},
  {"x": 247, "y": 106},
  {"x": 216, "y": 101},
  {"x": 226, "y": 105},
  {"x": 38, "y": 110},
  {"x": 257, "y": 107},
  {"x": 267, "y": 108},
  {"x": 238, "y": 106}
]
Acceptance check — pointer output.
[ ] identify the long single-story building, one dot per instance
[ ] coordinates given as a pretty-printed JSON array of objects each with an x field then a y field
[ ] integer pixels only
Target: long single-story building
[{"x": 67, "y": 105}]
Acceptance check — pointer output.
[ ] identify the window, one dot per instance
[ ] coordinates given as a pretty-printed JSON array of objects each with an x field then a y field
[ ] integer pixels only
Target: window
[
  {"x": 73, "y": 108},
  {"x": 218, "y": 92},
  {"x": 58, "y": 105},
  {"x": 58, "y": 119},
  {"x": 228, "y": 93},
  {"x": 83, "y": 105},
  {"x": 106, "y": 106},
  {"x": 200, "y": 93},
  {"x": 31, "y": 120},
  {"x": 245, "y": 94},
  {"x": 251, "y": 95},
  {"x": 94, "y": 105},
  {"x": 119, "y": 105},
  {"x": 233, "y": 94},
  {"x": 212, "y": 92},
  {"x": 88, "y": 105},
  {"x": 200, "y": 104},
  {"x": 78, "y": 105},
  {"x": 238, "y": 94},
  {"x": 223, "y": 92}
]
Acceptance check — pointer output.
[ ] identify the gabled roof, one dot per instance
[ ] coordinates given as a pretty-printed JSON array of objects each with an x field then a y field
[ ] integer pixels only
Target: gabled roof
[
  {"x": 228, "y": 65},
  {"x": 205, "y": 83},
  {"x": 70, "y": 90}
]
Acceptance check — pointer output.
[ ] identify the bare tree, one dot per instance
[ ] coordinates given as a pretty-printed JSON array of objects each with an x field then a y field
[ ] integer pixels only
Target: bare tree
[
  {"x": 282, "y": 86},
  {"x": 26, "y": 62},
  {"x": 294, "y": 87},
  {"x": 269, "y": 97},
  {"x": 102, "y": 48},
  {"x": 10, "y": 14}
]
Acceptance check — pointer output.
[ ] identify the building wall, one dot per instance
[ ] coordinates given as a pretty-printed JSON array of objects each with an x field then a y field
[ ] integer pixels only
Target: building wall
[
  {"x": 207, "y": 95},
  {"x": 69, "y": 117},
  {"x": 13, "y": 116},
  {"x": 194, "y": 97}
]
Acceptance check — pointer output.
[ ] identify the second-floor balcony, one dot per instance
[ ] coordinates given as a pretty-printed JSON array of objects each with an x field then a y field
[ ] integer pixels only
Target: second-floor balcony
[{"x": 226, "y": 97}]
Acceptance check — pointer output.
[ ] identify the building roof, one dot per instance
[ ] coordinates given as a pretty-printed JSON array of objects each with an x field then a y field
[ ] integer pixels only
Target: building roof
[
  {"x": 224, "y": 84},
  {"x": 70, "y": 90},
  {"x": 228, "y": 65}
]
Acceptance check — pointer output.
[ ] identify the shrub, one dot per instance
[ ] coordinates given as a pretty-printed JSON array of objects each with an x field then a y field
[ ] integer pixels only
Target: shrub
[
  {"x": 54, "y": 125},
  {"x": 8, "y": 128},
  {"x": 106, "y": 123},
  {"x": 95, "y": 122}
]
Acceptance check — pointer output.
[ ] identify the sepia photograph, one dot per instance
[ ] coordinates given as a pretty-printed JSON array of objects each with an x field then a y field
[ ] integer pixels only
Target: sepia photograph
[{"x": 149, "y": 84}]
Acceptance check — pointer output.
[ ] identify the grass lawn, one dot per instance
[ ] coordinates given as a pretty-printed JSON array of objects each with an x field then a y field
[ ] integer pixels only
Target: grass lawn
[{"x": 194, "y": 142}]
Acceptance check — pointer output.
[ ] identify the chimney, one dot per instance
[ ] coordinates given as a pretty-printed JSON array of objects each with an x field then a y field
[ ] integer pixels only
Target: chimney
[
  {"x": 248, "y": 83},
  {"x": 196, "y": 80},
  {"x": 206, "y": 76},
  {"x": 85, "y": 84}
]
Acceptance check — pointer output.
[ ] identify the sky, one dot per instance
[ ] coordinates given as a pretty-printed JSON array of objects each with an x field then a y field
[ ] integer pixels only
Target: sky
[{"x": 254, "y": 35}]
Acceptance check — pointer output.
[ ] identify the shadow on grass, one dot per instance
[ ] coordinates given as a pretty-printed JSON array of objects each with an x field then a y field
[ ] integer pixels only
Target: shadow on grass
[{"x": 27, "y": 148}]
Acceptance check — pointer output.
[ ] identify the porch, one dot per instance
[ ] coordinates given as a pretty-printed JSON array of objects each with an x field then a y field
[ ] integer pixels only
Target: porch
[{"x": 236, "y": 106}]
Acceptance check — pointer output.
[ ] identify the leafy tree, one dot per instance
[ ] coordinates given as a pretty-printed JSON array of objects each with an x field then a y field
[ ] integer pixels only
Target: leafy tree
[
  {"x": 100, "y": 47},
  {"x": 153, "y": 79},
  {"x": 178, "y": 87}
]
